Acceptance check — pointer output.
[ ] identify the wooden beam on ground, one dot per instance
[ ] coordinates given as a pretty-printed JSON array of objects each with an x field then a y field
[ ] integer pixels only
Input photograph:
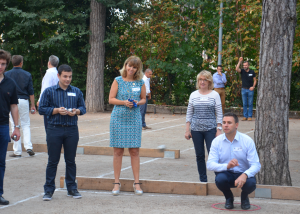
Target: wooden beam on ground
[
  {"x": 97, "y": 150},
  {"x": 185, "y": 188},
  {"x": 149, "y": 186}
]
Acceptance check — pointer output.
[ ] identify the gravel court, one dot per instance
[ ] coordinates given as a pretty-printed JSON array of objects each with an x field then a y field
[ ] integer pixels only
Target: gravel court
[{"x": 25, "y": 176}]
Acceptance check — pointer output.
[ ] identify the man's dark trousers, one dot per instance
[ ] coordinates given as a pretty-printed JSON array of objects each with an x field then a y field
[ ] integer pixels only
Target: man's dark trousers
[
  {"x": 143, "y": 110},
  {"x": 4, "y": 139},
  {"x": 46, "y": 122},
  {"x": 58, "y": 136},
  {"x": 225, "y": 180}
]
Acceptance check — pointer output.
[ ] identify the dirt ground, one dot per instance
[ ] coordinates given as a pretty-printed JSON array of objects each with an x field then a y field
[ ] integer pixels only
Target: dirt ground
[{"x": 25, "y": 176}]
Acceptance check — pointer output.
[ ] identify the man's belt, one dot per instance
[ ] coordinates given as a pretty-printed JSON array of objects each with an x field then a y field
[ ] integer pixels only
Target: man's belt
[
  {"x": 59, "y": 125},
  {"x": 244, "y": 88}
]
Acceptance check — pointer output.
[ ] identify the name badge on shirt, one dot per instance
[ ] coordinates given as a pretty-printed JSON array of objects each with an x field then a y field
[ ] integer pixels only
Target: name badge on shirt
[
  {"x": 136, "y": 89},
  {"x": 250, "y": 75},
  {"x": 71, "y": 94},
  {"x": 237, "y": 149},
  {"x": 203, "y": 98}
]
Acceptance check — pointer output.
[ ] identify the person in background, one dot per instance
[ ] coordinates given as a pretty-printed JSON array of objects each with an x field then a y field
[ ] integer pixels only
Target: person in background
[
  {"x": 9, "y": 103},
  {"x": 248, "y": 86},
  {"x": 143, "y": 108},
  {"x": 234, "y": 159},
  {"x": 50, "y": 79},
  {"x": 25, "y": 93},
  {"x": 203, "y": 119},
  {"x": 220, "y": 81},
  {"x": 126, "y": 121}
]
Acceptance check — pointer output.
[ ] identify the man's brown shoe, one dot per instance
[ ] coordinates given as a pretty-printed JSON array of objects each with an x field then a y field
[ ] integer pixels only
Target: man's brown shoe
[
  {"x": 144, "y": 128},
  {"x": 147, "y": 127},
  {"x": 14, "y": 155},
  {"x": 249, "y": 118},
  {"x": 244, "y": 119}
]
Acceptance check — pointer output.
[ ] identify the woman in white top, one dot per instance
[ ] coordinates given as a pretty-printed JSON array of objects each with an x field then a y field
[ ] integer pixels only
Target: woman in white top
[{"x": 203, "y": 119}]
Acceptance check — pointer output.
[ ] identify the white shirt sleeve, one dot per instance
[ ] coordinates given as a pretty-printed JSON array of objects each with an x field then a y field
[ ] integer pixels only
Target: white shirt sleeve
[
  {"x": 190, "y": 109},
  {"x": 147, "y": 84},
  {"x": 218, "y": 108},
  {"x": 50, "y": 79},
  {"x": 253, "y": 160}
]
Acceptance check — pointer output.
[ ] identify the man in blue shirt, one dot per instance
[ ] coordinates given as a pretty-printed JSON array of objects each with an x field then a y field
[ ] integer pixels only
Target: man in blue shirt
[
  {"x": 62, "y": 103},
  {"x": 220, "y": 81},
  {"x": 25, "y": 92},
  {"x": 234, "y": 159}
]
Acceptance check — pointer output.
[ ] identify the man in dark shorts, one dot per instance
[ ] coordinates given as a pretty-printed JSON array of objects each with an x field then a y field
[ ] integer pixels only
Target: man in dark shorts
[
  {"x": 248, "y": 86},
  {"x": 9, "y": 103}
]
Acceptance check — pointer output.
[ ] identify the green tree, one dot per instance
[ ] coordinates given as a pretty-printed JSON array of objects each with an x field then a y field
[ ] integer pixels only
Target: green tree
[{"x": 38, "y": 29}]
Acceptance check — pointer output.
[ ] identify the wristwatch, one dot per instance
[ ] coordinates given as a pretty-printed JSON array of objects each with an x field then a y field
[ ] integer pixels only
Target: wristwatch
[
  {"x": 18, "y": 126},
  {"x": 220, "y": 128}
]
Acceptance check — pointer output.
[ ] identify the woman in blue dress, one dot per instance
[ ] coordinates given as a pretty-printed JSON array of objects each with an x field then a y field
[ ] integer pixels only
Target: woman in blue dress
[{"x": 125, "y": 121}]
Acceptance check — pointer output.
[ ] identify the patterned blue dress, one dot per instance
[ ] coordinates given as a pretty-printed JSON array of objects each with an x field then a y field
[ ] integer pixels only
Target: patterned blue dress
[{"x": 125, "y": 122}]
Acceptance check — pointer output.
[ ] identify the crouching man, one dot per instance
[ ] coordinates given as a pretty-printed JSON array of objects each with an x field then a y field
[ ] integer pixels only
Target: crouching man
[{"x": 234, "y": 159}]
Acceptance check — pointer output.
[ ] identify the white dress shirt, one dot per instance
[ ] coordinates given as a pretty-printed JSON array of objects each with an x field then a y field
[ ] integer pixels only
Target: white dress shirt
[
  {"x": 147, "y": 84},
  {"x": 242, "y": 148},
  {"x": 50, "y": 79}
]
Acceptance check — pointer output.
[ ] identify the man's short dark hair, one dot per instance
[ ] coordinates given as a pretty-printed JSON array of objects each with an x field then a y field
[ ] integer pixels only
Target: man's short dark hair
[
  {"x": 230, "y": 114},
  {"x": 219, "y": 66},
  {"x": 16, "y": 60},
  {"x": 65, "y": 68},
  {"x": 246, "y": 62},
  {"x": 54, "y": 60},
  {"x": 6, "y": 56}
]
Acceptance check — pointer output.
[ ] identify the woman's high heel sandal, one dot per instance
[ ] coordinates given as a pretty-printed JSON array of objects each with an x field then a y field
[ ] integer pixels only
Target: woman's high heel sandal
[
  {"x": 137, "y": 192},
  {"x": 116, "y": 192}
]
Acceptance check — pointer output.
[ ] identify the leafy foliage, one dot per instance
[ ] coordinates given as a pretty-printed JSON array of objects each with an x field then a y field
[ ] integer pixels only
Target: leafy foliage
[
  {"x": 38, "y": 29},
  {"x": 170, "y": 36}
]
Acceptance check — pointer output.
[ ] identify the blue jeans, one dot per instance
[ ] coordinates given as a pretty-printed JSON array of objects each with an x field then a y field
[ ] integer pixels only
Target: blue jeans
[
  {"x": 57, "y": 137},
  {"x": 143, "y": 109},
  {"x": 198, "y": 140},
  {"x": 4, "y": 139},
  {"x": 225, "y": 180},
  {"x": 247, "y": 97}
]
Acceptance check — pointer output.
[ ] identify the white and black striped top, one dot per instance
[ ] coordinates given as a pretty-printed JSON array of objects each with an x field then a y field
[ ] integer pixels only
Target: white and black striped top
[{"x": 204, "y": 111}]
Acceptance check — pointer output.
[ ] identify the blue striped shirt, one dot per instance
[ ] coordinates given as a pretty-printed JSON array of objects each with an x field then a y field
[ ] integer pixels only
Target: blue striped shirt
[
  {"x": 204, "y": 111},
  {"x": 56, "y": 97}
]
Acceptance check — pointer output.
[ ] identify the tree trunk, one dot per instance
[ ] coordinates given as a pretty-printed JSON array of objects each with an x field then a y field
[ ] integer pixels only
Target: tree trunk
[
  {"x": 273, "y": 101},
  {"x": 95, "y": 72}
]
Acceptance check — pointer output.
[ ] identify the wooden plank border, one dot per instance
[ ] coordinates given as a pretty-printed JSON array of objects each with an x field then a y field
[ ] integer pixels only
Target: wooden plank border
[
  {"x": 181, "y": 188},
  {"x": 96, "y": 150},
  {"x": 150, "y": 186}
]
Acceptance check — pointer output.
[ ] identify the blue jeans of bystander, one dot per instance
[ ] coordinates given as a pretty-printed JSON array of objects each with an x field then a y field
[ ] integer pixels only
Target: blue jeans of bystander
[
  {"x": 143, "y": 110},
  {"x": 247, "y": 97}
]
